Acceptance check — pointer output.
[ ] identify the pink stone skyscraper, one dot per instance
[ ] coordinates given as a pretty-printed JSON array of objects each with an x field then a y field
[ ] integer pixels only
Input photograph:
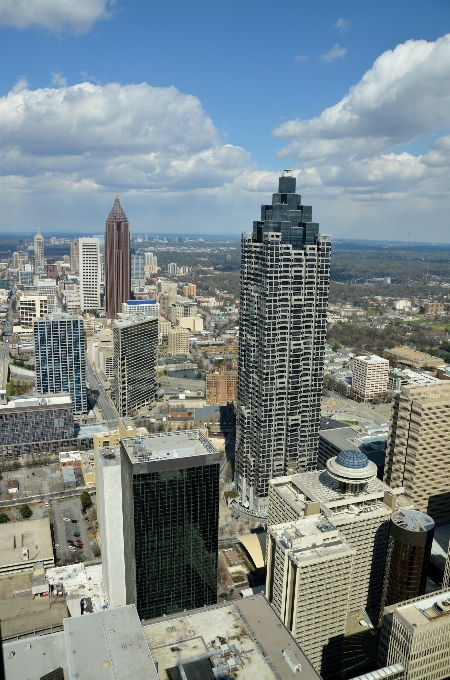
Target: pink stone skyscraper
[{"x": 117, "y": 260}]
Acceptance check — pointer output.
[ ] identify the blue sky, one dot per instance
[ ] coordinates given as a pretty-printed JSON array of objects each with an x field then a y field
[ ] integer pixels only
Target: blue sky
[{"x": 194, "y": 107}]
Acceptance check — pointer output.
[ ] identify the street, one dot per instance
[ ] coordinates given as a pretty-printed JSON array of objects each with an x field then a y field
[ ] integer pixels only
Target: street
[
  {"x": 4, "y": 350},
  {"x": 104, "y": 403}
]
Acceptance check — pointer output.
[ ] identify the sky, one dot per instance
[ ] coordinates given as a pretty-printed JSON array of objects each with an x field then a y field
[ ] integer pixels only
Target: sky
[{"x": 191, "y": 109}]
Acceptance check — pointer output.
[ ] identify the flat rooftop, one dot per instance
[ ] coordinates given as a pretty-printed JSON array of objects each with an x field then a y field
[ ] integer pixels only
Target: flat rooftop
[
  {"x": 167, "y": 446},
  {"x": 240, "y": 624},
  {"x": 33, "y": 534},
  {"x": 36, "y": 402},
  {"x": 413, "y": 355},
  {"x": 34, "y": 657},
  {"x": 134, "y": 319},
  {"x": 425, "y": 610},
  {"x": 310, "y": 540}
]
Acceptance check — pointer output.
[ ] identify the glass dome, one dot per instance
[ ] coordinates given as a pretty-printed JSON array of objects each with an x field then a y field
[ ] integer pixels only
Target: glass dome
[{"x": 354, "y": 459}]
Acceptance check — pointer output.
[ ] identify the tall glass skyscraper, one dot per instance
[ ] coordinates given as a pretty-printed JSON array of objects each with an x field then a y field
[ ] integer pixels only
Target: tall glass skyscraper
[
  {"x": 285, "y": 273},
  {"x": 170, "y": 505},
  {"x": 117, "y": 260},
  {"x": 60, "y": 357}
]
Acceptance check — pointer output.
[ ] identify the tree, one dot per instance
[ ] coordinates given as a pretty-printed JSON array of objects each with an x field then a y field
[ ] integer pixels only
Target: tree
[
  {"x": 25, "y": 511},
  {"x": 85, "y": 500},
  {"x": 3, "y": 518}
]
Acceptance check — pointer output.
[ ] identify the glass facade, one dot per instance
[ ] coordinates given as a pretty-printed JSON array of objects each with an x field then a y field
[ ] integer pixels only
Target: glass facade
[{"x": 176, "y": 539}]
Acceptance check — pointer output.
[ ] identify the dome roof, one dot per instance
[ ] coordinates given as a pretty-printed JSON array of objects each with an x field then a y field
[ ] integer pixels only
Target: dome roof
[{"x": 355, "y": 459}]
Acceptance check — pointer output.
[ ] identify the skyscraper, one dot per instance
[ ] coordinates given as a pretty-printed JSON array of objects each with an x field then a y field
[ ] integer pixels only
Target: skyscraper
[
  {"x": 135, "y": 343},
  {"x": 60, "y": 357},
  {"x": 89, "y": 267},
  {"x": 38, "y": 252},
  {"x": 117, "y": 260},
  {"x": 417, "y": 450},
  {"x": 74, "y": 256},
  {"x": 285, "y": 272},
  {"x": 170, "y": 504}
]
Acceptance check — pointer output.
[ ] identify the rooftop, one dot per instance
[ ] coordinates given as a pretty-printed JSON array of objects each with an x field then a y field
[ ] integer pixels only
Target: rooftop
[
  {"x": 167, "y": 446},
  {"x": 33, "y": 534},
  {"x": 134, "y": 319},
  {"x": 63, "y": 400},
  {"x": 412, "y": 354},
  {"x": 372, "y": 359},
  {"x": 310, "y": 539},
  {"x": 412, "y": 520},
  {"x": 250, "y": 625},
  {"x": 424, "y": 610}
]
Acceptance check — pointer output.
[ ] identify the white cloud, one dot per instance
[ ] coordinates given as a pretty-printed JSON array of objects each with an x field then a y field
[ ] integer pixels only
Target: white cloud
[
  {"x": 21, "y": 84},
  {"x": 335, "y": 53},
  {"x": 353, "y": 146},
  {"x": 77, "y": 16},
  {"x": 301, "y": 57},
  {"x": 58, "y": 79},
  {"x": 342, "y": 25}
]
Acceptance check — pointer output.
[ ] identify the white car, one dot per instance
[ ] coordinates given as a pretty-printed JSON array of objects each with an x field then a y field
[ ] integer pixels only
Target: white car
[
  {"x": 71, "y": 548},
  {"x": 66, "y": 519},
  {"x": 56, "y": 545}
]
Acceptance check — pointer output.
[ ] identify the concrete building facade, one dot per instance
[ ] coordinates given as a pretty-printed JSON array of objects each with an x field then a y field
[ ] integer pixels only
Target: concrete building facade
[
  {"x": 370, "y": 377},
  {"x": 39, "y": 260},
  {"x": 32, "y": 307},
  {"x": 285, "y": 271},
  {"x": 74, "y": 256},
  {"x": 135, "y": 343},
  {"x": 89, "y": 268},
  {"x": 417, "y": 449},
  {"x": 221, "y": 387},
  {"x": 178, "y": 341},
  {"x": 309, "y": 576},
  {"x": 416, "y": 634}
]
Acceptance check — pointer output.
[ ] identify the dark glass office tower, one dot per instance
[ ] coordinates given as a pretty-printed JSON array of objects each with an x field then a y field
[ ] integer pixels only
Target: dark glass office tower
[
  {"x": 285, "y": 273},
  {"x": 170, "y": 491}
]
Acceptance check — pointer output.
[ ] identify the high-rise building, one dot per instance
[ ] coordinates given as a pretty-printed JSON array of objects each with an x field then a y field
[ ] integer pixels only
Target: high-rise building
[
  {"x": 309, "y": 576},
  {"x": 170, "y": 505},
  {"x": 178, "y": 342},
  {"x": 39, "y": 252},
  {"x": 190, "y": 290},
  {"x": 147, "y": 307},
  {"x": 221, "y": 387},
  {"x": 167, "y": 287},
  {"x": 408, "y": 556},
  {"x": 358, "y": 504},
  {"x": 32, "y": 307},
  {"x": 74, "y": 256},
  {"x": 369, "y": 377},
  {"x": 137, "y": 270},
  {"x": 49, "y": 288},
  {"x": 117, "y": 260},
  {"x": 172, "y": 269},
  {"x": 285, "y": 272},
  {"x": 416, "y": 634},
  {"x": 417, "y": 450},
  {"x": 135, "y": 343},
  {"x": 89, "y": 268},
  {"x": 151, "y": 263},
  {"x": 60, "y": 357}
]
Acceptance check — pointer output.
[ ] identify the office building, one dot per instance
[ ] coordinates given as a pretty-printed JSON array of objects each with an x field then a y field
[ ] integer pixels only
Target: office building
[
  {"x": 110, "y": 518},
  {"x": 32, "y": 307},
  {"x": 151, "y": 264},
  {"x": 23, "y": 543},
  {"x": 408, "y": 556},
  {"x": 285, "y": 272},
  {"x": 26, "y": 276},
  {"x": 48, "y": 288},
  {"x": 39, "y": 260},
  {"x": 369, "y": 377},
  {"x": 137, "y": 271},
  {"x": 170, "y": 503},
  {"x": 30, "y": 426},
  {"x": 309, "y": 574},
  {"x": 417, "y": 449},
  {"x": 117, "y": 260},
  {"x": 190, "y": 290},
  {"x": 221, "y": 387},
  {"x": 146, "y": 307},
  {"x": 74, "y": 256},
  {"x": 191, "y": 323},
  {"x": 349, "y": 495},
  {"x": 167, "y": 288},
  {"x": 416, "y": 634},
  {"x": 89, "y": 268},
  {"x": 335, "y": 440},
  {"x": 60, "y": 357},
  {"x": 446, "y": 579},
  {"x": 178, "y": 341},
  {"x": 135, "y": 342}
]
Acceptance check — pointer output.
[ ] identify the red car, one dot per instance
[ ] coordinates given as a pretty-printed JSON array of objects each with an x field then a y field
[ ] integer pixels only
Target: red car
[{"x": 79, "y": 544}]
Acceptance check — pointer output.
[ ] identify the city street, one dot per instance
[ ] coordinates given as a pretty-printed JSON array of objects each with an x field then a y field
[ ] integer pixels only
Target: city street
[
  {"x": 4, "y": 350},
  {"x": 104, "y": 403}
]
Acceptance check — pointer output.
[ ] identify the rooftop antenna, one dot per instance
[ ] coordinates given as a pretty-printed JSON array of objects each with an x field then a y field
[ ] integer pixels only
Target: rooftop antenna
[
  {"x": 117, "y": 193},
  {"x": 287, "y": 170}
]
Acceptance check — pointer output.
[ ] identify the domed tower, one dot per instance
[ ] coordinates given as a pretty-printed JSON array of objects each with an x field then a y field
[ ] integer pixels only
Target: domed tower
[{"x": 352, "y": 469}]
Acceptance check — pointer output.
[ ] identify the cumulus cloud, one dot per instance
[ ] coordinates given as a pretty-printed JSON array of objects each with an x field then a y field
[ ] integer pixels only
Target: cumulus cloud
[
  {"x": 363, "y": 146},
  {"x": 302, "y": 57},
  {"x": 58, "y": 79},
  {"x": 335, "y": 53},
  {"x": 131, "y": 136},
  {"x": 342, "y": 25},
  {"x": 77, "y": 16}
]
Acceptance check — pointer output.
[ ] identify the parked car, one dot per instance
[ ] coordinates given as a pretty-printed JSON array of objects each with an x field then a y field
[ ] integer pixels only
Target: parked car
[
  {"x": 72, "y": 548},
  {"x": 76, "y": 534},
  {"x": 74, "y": 521},
  {"x": 66, "y": 519},
  {"x": 79, "y": 544}
]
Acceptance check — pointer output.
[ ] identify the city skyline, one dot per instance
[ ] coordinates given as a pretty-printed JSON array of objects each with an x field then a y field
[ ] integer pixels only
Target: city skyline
[{"x": 201, "y": 130}]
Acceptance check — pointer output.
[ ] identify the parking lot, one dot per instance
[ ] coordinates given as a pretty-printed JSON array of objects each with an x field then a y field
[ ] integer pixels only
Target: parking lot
[{"x": 64, "y": 530}]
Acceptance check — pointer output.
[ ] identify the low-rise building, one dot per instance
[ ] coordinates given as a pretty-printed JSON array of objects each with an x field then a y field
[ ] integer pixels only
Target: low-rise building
[
  {"x": 411, "y": 358},
  {"x": 23, "y": 543},
  {"x": 69, "y": 478}
]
